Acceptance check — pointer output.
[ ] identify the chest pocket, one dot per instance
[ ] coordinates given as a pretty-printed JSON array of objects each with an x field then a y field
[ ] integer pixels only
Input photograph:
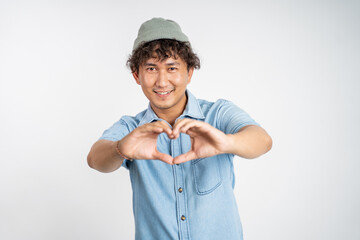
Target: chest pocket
[{"x": 206, "y": 173}]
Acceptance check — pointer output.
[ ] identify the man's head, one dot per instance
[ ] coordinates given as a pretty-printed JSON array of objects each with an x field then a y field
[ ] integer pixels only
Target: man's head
[{"x": 160, "y": 38}]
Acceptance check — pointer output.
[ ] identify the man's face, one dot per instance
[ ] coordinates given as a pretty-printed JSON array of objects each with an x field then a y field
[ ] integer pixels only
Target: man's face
[{"x": 164, "y": 84}]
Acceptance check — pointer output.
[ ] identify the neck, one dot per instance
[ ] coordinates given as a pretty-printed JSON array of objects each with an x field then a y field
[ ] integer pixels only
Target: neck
[{"x": 171, "y": 114}]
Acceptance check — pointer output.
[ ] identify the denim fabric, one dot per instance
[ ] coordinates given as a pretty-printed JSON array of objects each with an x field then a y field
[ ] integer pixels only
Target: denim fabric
[{"x": 206, "y": 207}]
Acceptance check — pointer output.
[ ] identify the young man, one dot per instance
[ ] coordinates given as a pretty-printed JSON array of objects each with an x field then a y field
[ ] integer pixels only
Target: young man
[{"x": 180, "y": 150}]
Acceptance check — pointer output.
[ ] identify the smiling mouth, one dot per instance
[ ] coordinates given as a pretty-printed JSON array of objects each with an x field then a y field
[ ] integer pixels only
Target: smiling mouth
[{"x": 163, "y": 93}]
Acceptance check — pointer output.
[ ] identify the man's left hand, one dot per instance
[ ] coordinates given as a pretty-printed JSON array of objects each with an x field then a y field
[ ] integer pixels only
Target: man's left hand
[{"x": 206, "y": 141}]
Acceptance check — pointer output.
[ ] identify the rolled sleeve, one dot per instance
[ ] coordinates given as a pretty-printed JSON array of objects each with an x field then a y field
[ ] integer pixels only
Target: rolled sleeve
[{"x": 231, "y": 118}]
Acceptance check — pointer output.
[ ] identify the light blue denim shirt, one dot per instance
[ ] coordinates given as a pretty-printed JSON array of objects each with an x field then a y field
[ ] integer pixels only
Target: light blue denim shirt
[{"x": 192, "y": 200}]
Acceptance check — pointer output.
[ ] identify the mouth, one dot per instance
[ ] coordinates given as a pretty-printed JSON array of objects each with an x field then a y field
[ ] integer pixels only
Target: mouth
[{"x": 162, "y": 93}]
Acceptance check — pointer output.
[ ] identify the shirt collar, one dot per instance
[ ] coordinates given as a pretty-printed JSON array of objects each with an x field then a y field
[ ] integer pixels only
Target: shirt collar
[{"x": 192, "y": 110}]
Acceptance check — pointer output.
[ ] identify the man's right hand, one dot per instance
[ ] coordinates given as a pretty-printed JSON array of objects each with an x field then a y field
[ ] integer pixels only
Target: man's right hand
[{"x": 141, "y": 142}]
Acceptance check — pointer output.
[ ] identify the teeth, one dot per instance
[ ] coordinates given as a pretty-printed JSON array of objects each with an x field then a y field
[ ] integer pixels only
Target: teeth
[{"x": 163, "y": 93}]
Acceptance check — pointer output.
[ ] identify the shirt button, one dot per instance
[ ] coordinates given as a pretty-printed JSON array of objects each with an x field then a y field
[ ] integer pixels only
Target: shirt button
[
  {"x": 183, "y": 217},
  {"x": 180, "y": 190},
  {"x": 177, "y": 164}
]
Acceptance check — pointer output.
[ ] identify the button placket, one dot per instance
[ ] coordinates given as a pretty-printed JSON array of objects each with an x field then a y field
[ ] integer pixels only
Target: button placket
[{"x": 180, "y": 194}]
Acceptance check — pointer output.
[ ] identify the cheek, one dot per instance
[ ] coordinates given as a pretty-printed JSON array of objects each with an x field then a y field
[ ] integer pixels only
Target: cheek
[
  {"x": 180, "y": 79},
  {"x": 146, "y": 82}
]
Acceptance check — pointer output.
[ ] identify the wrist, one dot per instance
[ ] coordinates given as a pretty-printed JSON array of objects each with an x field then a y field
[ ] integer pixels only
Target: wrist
[
  {"x": 230, "y": 143},
  {"x": 120, "y": 153}
]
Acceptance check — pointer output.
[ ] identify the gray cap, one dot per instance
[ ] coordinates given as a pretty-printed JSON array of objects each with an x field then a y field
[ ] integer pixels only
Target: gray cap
[{"x": 159, "y": 28}]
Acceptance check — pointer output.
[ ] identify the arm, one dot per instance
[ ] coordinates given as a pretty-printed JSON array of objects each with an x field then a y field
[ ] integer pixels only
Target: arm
[
  {"x": 206, "y": 141},
  {"x": 104, "y": 157},
  {"x": 138, "y": 144},
  {"x": 250, "y": 142}
]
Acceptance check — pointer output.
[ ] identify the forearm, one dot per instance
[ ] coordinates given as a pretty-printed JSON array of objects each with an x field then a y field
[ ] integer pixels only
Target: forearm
[
  {"x": 250, "y": 142},
  {"x": 104, "y": 157}
]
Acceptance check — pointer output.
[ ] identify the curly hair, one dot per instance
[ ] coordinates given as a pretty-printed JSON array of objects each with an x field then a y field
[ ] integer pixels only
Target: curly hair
[{"x": 162, "y": 49}]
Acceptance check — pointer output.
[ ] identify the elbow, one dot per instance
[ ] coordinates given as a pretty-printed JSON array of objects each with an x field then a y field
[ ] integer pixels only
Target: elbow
[
  {"x": 268, "y": 143},
  {"x": 97, "y": 163},
  {"x": 264, "y": 145},
  {"x": 90, "y": 161}
]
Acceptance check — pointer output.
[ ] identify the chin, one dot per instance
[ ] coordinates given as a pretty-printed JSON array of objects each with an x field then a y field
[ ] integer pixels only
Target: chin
[{"x": 162, "y": 106}]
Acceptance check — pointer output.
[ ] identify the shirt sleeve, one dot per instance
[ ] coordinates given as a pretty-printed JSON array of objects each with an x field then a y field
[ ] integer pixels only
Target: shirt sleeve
[
  {"x": 116, "y": 132},
  {"x": 231, "y": 118}
]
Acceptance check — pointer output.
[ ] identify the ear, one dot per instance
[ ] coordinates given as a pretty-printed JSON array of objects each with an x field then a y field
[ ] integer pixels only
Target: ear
[
  {"x": 190, "y": 73},
  {"x": 136, "y": 76}
]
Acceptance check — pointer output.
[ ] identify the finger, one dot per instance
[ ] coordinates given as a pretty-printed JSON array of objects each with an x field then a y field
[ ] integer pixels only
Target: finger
[
  {"x": 191, "y": 132},
  {"x": 179, "y": 124},
  {"x": 195, "y": 126},
  {"x": 164, "y": 157},
  {"x": 153, "y": 128},
  {"x": 166, "y": 128},
  {"x": 185, "y": 157},
  {"x": 148, "y": 128}
]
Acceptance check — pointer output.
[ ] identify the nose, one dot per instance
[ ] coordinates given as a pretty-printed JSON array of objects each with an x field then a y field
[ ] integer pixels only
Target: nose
[{"x": 162, "y": 79}]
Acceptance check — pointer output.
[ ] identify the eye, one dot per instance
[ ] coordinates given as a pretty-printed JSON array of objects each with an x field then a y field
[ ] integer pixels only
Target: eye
[
  {"x": 150, "y": 69},
  {"x": 172, "y": 69}
]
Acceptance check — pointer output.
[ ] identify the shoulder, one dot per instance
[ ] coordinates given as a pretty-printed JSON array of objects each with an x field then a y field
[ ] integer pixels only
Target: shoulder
[
  {"x": 208, "y": 107},
  {"x": 122, "y": 127},
  {"x": 225, "y": 115},
  {"x": 132, "y": 122}
]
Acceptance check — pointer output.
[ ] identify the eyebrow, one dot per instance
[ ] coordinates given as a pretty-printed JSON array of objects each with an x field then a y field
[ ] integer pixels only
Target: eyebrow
[
  {"x": 167, "y": 64},
  {"x": 172, "y": 63},
  {"x": 150, "y": 64}
]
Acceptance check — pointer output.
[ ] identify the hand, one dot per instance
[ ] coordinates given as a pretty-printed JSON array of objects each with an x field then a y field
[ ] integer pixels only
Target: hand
[
  {"x": 206, "y": 141},
  {"x": 141, "y": 142}
]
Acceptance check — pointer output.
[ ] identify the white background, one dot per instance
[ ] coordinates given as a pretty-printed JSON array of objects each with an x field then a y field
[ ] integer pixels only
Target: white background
[{"x": 294, "y": 66}]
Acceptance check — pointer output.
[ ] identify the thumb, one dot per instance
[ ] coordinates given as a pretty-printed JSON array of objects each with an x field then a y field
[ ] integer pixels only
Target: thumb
[
  {"x": 185, "y": 157},
  {"x": 164, "y": 157}
]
